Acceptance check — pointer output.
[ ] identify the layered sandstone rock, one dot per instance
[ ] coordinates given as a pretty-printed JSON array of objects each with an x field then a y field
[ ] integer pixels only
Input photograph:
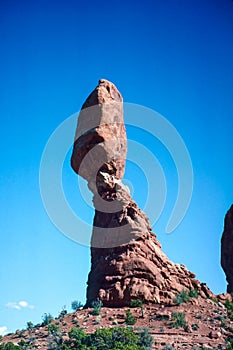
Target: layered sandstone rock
[
  {"x": 126, "y": 259},
  {"x": 227, "y": 249}
]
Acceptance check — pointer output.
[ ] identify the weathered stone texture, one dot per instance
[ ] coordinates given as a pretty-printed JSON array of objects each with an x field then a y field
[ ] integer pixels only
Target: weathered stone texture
[{"x": 126, "y": 259}]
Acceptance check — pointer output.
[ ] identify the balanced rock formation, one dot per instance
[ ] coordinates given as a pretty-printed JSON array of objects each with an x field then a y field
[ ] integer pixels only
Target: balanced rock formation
[
  {"x": 227, "y": 249},
  {"x": 126, "y": 259}
]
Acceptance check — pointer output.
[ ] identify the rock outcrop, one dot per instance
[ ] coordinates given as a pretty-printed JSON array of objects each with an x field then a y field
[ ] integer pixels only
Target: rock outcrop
[
  {"x": 126, "y": 259},
  {"x": 227, "y": 249}
]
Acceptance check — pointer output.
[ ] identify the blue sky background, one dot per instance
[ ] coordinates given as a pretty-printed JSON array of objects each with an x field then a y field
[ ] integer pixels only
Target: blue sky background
[{"x": 175, "y": 57}]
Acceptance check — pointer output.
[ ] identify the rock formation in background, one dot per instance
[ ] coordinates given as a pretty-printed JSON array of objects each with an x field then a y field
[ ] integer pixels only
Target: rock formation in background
[
  {"x": 227, "y": 249},
  {"x": 126, "y": 259}
]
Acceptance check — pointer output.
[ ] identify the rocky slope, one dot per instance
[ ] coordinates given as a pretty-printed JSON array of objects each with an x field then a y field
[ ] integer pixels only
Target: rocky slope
[
  {"x": 207, "y": 325},
  {"x": 227, "y": 249}
]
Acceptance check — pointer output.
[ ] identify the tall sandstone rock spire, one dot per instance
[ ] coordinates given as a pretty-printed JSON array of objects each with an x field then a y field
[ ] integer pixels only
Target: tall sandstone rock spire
[
  {"x": 227, "y": 249},
  {"x": 126, "y": 258}
]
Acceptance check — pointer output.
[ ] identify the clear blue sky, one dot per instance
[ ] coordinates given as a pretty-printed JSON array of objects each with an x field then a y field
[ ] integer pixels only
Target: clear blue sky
[{"x": 175, "y": 57}]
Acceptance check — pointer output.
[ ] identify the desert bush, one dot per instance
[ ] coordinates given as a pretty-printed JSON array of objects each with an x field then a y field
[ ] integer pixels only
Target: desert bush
[
  {"x": 168, "y": 347},
  {"x": 178, "y": 320},
  {"x": 77, "y": 337},
  {"x": 229, "y": 307},
  {"x": 114, "y": 339},
  {"x": 47, "y": 319},
  {"x": 195, "y": 326},
  {"x": 229, "y": 343},
  {"x": 53, "y": 329},
  {"x": 193, "y": 293},
  {"x": 182, "y": 297},
  {"x": 55, "y": 340},
  {"x": 130, "y": 319},
  {"x": 29, "y": 326},
  {"x": 75, "y": 305},
  {"x": 145, "y": 339},
  {"x": 9, "y": 346},
  {"x": 97, "y": 305},
  {"x": 62, "y": 313},
  {"x": 137, "y": 303}
]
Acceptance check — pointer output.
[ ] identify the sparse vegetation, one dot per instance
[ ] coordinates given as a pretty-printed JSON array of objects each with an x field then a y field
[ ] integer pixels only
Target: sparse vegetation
[
  {"x": 29, "y": 326},
  {"x": 75, "y": 305},
  {"x": 97, "y": 305},
  {"x": 168, "y": 347},
  {"x": 108, "y": 338},
  {"x": 161, "y": 317},
  {"x": 47, "y": 319},
  {"x": 137, "y": 303},
  {"x": 9, "y": 346},
  {"x": 195, "y": 326},
  {"x": 62, "y": 313},
  {"x": 130, "y": 319},
  {"x": 55, "y": 340},
  {"x": 229, "y": 307},
  {"x": 178, "y": 320},
  {"x": 145, "y": 339},
  {"x": 184, "y": 296},
  {"x": 214, "y": 300},
  {"x": 199, "y": 316},
  {"x": 193, "y": 293},
  {"x": 230, "y": 343},
  {"x": 53, "y": 328}
]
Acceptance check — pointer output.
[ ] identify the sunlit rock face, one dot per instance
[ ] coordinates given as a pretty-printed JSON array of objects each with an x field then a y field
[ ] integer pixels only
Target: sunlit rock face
[{"x": 126, "y": 258}]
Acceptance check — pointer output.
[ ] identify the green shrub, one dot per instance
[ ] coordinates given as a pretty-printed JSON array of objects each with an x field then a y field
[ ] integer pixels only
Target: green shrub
[
  {"x": 229, "y": 307},
  {"x": 77, "y": 337},
  {"x": 62, "y": 313},
  {"x": 195, "y": 326},
  {"x": 75, "y": 305},
  {"x": 53, "y": 329},
  {"x": 23, "y": 344},
  {"x": 145, "y": 339},
  {"x": 178, "y": 320},
  {"x": 230, "y": 343},
  {"x": 29, "y": 326},
  {"x": 136, "y": 303},
  {"x": 97, "y": 305},
  {"x": 130, "y": 319},
  {"x": 193, "y": 293},
  {"x": 47, "y": 319},
  {"x": 9, "y": 346},
  {"x": 182, "y": 297},
  {"x": 55, "y": 340},
  {"x": 114, "y": 339},
  {"x": 168, "y": 347}
]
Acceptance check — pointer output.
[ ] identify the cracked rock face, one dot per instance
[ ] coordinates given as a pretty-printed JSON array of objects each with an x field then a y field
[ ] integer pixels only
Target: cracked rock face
[
  {"x": 227, "y": 249},
  {"x": 126, "y": 259}
]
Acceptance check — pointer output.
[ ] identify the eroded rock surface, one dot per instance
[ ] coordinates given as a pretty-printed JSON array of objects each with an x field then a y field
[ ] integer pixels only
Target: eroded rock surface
[
  {"x": 126, "y": 259},
  {"x": 227, "y": 249}
]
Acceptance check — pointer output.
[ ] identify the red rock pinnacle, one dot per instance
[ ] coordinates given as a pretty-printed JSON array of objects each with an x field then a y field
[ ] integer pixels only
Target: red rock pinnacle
[{"x": 126, "y": 259}]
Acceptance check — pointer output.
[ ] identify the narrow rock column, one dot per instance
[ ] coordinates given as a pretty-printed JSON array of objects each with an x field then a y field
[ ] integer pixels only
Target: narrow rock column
[{"x": 126, "y": 259}]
